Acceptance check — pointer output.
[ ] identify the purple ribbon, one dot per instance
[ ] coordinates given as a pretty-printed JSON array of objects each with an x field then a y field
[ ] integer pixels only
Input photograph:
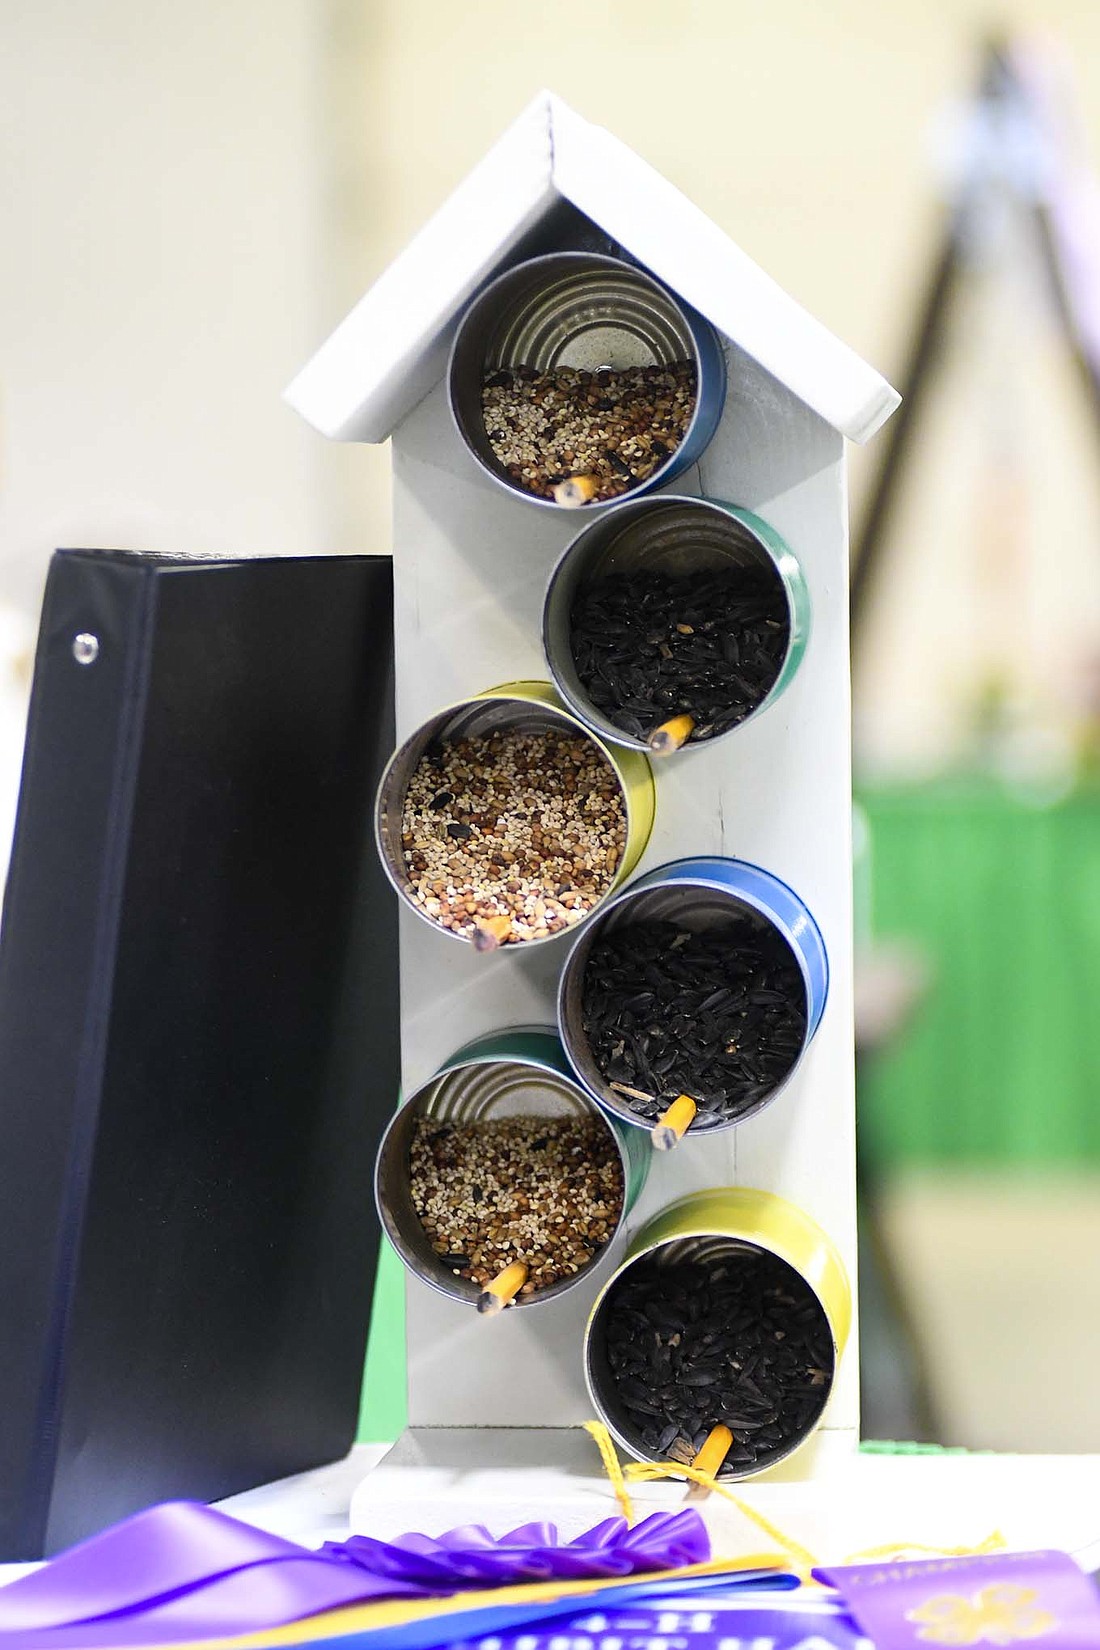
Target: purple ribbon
[
  {"x": 993, "y": 1599},
  {"x": 186, "y": 1571}
]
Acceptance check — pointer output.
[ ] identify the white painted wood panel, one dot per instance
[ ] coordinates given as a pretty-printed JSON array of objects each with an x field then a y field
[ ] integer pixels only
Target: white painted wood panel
[
  {"x": 471, "y": 564},
  {"x": 376, "y": 365}
]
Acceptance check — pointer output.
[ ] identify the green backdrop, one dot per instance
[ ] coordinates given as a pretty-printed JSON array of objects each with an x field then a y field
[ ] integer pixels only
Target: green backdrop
[
  {"x": 1002, "y": 1063},
  {"x": 382, "y": 1409}
]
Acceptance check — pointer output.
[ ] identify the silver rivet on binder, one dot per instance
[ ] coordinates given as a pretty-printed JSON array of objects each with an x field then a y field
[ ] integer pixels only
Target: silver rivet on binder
[{"x": 85, "y": 648}]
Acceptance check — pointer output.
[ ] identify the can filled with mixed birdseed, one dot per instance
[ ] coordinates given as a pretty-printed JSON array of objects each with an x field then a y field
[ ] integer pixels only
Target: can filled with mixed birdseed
[
  {"x": 576, "y": 378},
  {"x": 730, "y": 1310},
  {"x": 504, "y": 820},
  {"x": 502, "y": 1159},
  {"x": 674, "y": 610},
  {"x": 705, "y": 978}
]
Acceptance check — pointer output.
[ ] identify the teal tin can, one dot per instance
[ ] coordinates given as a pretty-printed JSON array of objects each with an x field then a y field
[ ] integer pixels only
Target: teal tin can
[
  {"x": 678, "y": 536},
  {"x": 519, "y": 1072}
]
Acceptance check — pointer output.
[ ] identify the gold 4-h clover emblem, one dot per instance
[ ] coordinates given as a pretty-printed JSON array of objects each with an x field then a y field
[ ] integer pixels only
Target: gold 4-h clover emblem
[{"x": 1000, "y": 1614}]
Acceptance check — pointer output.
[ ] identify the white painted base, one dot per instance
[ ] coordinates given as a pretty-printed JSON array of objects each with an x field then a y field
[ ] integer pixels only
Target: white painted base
[
  {"x": 434, "y": 1482},
  {"x": 434, "y": 1479}
]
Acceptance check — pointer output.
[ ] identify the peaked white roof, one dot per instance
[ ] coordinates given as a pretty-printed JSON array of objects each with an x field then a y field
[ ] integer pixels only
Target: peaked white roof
[{"x": 392, "y": 348}]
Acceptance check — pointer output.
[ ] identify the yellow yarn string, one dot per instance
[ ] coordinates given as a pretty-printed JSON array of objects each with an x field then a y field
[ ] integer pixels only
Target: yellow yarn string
[
  {"x": 646, "y": 1471},
  {"x": 599, "y": 1433},
  {"x": 993, "y": 1543},
  {"x": 799, "y": 1558}
]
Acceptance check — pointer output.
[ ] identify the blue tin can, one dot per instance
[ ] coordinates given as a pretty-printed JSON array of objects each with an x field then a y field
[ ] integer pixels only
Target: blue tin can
[
  {"x": 695, "y": 894},
  {"x": 582, "y": 310}
]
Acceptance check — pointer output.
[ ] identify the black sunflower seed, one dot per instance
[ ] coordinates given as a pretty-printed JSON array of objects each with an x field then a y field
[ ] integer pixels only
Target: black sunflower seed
[
  {"x": 719, "y": 1015},
  {"x": 711, "y": 643},
  {"x": 725, "y": 1369}
]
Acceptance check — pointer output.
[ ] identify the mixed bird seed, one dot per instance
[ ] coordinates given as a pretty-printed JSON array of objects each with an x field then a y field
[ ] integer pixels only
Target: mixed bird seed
[
  {"x": 719, "y": 1015},
  {"x": 617, "y": 426},
  {"x": 546, "y": 1191},
  {"x": 526, "y": 829},
  {"x": 739, "y": 1340},
  {"x": 648, "y": 646}
]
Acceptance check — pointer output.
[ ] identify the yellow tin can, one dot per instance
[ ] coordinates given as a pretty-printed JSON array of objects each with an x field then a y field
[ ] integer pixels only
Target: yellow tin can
[
  {"x": 529, "y": 707},
  {"x": 708, "y": 1230}
]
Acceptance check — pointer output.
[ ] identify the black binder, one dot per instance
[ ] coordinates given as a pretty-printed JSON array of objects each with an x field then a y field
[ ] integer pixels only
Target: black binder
[{"x": 198, "y": 1033}]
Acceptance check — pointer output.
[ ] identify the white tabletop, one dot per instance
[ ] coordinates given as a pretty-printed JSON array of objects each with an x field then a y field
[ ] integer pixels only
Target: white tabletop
[{"x": 1035, "y": 1501}]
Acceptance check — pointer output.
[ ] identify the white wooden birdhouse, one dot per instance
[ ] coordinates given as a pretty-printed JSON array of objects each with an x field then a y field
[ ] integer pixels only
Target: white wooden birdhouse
[{"x": 474, "y": 552}]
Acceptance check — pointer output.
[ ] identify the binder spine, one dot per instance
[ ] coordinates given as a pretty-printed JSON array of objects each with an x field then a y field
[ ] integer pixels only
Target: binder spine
[{"x": 57, "y": 946}]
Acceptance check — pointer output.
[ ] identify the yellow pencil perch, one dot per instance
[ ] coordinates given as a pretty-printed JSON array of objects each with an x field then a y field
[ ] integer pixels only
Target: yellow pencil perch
[
  {"x": 503, "y": 1289},
  {"x": 490, "y": 933},
  {"x": 671, "y": 735},
  {"x": 709, "y": 1459},
  {"x": 670, "y": 1129},
  {"x": 576, "y": 491}
]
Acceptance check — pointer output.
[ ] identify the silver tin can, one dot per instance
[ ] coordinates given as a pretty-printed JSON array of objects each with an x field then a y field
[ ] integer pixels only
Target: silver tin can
[
  {"x": 583, "y": 310},
  {"x": 521, "y": 1072},
  {"x": 696, "y": 894},
  {"x": 678, "y": 536}
]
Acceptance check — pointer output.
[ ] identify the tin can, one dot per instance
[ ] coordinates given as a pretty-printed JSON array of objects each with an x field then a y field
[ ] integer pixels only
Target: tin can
[
  {"x": 521, "y": 1072},
  {"x": 696, "y": 894},
  {"x": 583, "y": 310},
  {"x": 707, "y": 1228},
  {"x": 678, "y": 536},
  {"x": 531, "y": 707}
]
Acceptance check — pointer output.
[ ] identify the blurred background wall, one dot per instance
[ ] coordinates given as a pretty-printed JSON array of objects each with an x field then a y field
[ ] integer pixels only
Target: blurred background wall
[{"x": 193, "y": 196}]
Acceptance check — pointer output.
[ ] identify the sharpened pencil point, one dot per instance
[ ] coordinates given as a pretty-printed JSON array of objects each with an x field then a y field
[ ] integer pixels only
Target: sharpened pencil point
[
  {"x": 709, "y": 1459},
  {"x": 576, "y": 490},
  {"x": 503, "y": 1289},
  {"x": 490, "y": 933},
  {"x": 671, "y": 735},
  {"x": 670, "y": 1129}
]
